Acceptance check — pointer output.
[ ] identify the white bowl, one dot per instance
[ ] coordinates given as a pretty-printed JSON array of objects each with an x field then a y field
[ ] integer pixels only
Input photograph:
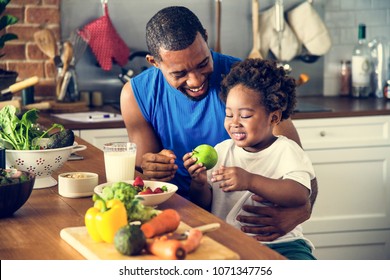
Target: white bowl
[
  {"x": 148, "y": 199},
  {"x": 77, "y": 184},
  {"x": 41, "y": 162}
]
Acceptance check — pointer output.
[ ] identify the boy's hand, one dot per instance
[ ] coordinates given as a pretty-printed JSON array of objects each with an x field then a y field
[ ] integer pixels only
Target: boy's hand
[
  {"x": 197, "y": 171},
  {"x": 231, "y": 178}
]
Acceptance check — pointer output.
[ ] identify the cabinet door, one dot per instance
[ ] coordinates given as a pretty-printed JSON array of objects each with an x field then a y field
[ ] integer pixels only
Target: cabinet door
[
  {"x": 362, "y": 245},
  {"x": 344, "y": 132},
  {"x": 353, "y": 190},
  {"x": 98, "y": 137}
]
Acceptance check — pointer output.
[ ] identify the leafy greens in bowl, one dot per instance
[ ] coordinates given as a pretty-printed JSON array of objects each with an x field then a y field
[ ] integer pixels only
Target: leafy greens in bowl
[
  {"x": 31, "y": 148},
  {"x": 26, "y": 134}
]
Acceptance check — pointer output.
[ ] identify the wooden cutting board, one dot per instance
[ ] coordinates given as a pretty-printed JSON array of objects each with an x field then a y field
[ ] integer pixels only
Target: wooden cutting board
[
  {"x": 59, "y": 107},
  {"x": 79, "y": 239}
]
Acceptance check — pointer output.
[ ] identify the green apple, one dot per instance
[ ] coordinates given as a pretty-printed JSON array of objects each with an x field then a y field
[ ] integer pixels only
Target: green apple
[{"x": 206, "y": 154}]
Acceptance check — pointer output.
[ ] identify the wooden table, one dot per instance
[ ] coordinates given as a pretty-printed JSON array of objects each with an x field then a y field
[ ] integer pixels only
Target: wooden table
[{"x": 33, "y": 232}]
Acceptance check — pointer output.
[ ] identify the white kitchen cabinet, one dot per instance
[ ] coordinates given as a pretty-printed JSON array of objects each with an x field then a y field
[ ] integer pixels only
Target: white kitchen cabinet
[
  {"x": 351, "y": 158},
  {"x": 98, "y": 137}
]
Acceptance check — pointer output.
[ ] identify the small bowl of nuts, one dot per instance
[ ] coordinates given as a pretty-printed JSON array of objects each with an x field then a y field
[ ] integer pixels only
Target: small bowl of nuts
[{"x": 77, "y": 184}]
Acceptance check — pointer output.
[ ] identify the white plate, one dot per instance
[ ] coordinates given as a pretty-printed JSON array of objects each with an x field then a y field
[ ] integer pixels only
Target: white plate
[{"x": 148, "y": 199}]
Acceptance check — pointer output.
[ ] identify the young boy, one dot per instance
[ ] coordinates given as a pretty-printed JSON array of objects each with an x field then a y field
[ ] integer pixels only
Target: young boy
[{"x": 258, "y": 95}]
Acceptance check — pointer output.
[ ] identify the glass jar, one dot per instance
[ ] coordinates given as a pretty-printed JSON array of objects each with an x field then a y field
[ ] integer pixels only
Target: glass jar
[
  {"x": 345, "y": 78},
  {"x": 386, "y": 90}
]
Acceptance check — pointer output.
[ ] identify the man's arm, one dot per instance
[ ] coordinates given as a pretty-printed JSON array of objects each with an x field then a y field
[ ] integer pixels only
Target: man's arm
[
  {"x": 152, "y": 161},
  {"x": 287, "y": 128},
  {"x": 138, "y": 129}
]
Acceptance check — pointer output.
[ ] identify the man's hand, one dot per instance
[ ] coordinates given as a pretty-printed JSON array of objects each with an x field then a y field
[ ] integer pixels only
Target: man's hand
[
  {"x": 272, "y": 222},
  {"x": 159, "y": 167}
]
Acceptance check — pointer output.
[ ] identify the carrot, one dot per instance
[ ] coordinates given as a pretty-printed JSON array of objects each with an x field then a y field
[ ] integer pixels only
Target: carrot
[
  {"x": 193, "y": 240},
  {"x": 167, "y": 249},
  {"x": 168, "y": 220}
]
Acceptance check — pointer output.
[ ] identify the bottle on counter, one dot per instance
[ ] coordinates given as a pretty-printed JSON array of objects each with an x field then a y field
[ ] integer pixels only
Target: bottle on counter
[
  {"x": 361, "y": 66},
  {"x": 386, "y": 90},
  {"x": 379, "y": 47},
  {"x": 345, "y": 78}
]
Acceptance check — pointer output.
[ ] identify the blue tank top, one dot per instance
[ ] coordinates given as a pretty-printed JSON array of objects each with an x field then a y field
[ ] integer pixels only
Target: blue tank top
[{"x": 179, "y": 122}]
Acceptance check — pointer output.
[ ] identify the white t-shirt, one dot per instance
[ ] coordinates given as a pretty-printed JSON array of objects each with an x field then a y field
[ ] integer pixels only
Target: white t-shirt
[{"x": 283, "y": 159}]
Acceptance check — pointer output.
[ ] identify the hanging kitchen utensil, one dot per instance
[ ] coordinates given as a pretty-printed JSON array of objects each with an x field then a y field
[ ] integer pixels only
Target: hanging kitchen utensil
[
  {"x": 255, "y": 52},
  {"x": 310, "y": 31},
  {"x": 218, "y": 19},
  {"x": 105, "y": 42},
  {"x": 46, "y": 42},
  {"x": 279, "y": 24},
  {"x": 280, "y": 39}
]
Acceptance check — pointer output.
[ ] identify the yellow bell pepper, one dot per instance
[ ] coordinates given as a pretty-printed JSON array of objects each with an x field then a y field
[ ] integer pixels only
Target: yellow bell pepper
[{"x": 105, "y": 218}]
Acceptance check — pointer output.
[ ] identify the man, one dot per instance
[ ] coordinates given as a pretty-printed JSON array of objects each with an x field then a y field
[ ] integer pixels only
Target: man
[{"x": 174, "y": 106}]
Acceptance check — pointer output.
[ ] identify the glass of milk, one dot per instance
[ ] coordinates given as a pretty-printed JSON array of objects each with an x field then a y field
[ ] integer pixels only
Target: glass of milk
[{"x": 119, "y": 161}]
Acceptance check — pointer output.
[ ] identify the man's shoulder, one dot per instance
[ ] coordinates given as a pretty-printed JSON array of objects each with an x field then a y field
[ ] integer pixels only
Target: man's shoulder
[
  {"x": 147, "y": 79},
  {"x": 151, "y": 72}
]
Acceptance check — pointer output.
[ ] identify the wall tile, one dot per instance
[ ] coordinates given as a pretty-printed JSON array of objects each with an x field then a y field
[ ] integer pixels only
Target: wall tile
[
  {"x": 355, "y": 4},
  {"x": 381, "y": 4}
]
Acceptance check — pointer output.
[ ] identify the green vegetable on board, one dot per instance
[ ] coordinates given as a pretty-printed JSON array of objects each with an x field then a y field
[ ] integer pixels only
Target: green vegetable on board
[{"x": 130, "y": 240}]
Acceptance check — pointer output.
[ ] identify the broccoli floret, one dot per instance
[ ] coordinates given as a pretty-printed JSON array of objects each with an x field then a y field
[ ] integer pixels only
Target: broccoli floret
[
  {"x": 139, "y": 212},
  {"x": 119, "y": 190},
  {"x": 126, "y": 193},
  {"x": 60, "y": 139}
]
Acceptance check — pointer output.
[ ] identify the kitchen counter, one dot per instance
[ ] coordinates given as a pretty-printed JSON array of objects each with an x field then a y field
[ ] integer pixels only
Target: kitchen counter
[
  {"x": 309, "y": 108},
  {"x": 47, "y": 119},
  {"x": 33, "y": 232},
  {"x": 336, "y": 107}
]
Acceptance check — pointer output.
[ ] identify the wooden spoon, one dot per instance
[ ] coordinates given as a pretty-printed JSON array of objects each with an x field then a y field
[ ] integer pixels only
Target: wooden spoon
[
  {"x": 218, "y": 15},
  {"x": 46, "y": 42},
  {"x": 67, "y": 56},
  {"x": 255, "y": 52}
]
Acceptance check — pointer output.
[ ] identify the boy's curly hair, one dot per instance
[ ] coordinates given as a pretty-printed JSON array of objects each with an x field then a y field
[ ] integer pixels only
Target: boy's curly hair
[{"x": 275, "y": 88}]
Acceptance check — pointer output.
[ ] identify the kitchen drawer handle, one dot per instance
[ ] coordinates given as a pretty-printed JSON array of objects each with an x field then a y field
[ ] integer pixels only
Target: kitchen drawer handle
[{"x": 322, "y": 133}]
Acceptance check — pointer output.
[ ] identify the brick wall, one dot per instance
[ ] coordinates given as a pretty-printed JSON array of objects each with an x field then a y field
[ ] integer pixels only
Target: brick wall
[{"x": 23, "y": 55}]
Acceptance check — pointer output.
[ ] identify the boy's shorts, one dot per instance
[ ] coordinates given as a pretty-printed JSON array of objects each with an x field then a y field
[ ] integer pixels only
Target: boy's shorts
[{"x": 294, "y": 250}]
